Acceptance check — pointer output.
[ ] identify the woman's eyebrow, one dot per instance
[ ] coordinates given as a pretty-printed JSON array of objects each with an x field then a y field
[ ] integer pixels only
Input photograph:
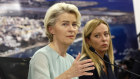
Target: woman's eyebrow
[{"x": 65, "y": 21}]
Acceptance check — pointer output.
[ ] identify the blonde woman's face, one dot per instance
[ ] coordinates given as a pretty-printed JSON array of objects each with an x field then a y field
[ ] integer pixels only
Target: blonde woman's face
[
  {"x": 65, "y": 29},
  {"x": 100, "y": 38}
]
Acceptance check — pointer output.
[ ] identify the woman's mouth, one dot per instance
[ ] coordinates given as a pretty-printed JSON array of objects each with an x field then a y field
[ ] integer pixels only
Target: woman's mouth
[
  {"x": 104, "y": 45},
  {"x": 70, "y": 36}
]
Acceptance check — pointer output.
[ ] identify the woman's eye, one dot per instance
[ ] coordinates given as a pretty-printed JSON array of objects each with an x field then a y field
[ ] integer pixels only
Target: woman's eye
[
  {"x": 65, "y": 24},
  {"x": 74, "y": 25},
  {"x": 106, "y": 34},
  {"x": 97, "y": 36}
]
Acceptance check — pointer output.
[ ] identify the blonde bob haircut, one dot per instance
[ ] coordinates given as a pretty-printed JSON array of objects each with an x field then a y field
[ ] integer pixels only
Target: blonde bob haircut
[
  {"x": 88, "y": 29},
  {"x": 54, "y": 11}
]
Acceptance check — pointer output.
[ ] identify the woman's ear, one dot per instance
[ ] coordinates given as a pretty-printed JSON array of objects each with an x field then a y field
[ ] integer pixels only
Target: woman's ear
[{"x": 51, "y": 30}]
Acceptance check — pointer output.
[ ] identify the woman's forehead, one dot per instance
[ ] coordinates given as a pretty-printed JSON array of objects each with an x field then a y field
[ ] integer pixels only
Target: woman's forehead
[
  {"x": 67, "y": 17},
  {"x": 100, "y": 28}
]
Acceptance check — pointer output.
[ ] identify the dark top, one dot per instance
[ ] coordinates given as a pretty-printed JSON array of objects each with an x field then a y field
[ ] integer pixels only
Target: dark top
[
  {"x": 110, "y": 73},
  {"x": 135, "y": 55}
]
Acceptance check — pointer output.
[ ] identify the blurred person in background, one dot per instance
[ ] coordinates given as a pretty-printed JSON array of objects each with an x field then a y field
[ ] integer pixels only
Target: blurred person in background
[
  {"x": 96, "y": 34},
  {"x": 135, "y": 57},
  {"x": 52, "y": 61}
]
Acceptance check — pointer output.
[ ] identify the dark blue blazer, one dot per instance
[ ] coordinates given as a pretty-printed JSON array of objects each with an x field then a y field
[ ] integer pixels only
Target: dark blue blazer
[{"x": 110, "y": 73}]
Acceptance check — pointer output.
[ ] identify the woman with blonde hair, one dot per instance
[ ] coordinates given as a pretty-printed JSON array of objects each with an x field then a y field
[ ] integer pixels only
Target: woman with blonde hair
[
  {"x": 96, "y": 35},
  {"x": 52, "y": 61}
]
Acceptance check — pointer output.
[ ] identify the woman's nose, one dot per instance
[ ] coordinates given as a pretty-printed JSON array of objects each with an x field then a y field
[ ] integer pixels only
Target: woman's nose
[
  {"x": 104, "y": 38},
  {"x": 72, "y": 28}
]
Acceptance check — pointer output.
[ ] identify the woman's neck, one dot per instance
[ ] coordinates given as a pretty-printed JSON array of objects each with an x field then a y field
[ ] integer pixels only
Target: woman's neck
[
  {"x": 101, "y": 54},
  {"x": 59, "y": 48}
]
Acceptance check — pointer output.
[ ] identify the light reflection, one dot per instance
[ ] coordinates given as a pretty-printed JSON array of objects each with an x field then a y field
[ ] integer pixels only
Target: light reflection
[{"x": 10, "y": 8}]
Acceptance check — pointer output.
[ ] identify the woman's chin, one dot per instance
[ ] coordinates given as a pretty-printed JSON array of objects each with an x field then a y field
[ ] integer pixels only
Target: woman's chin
[{"x": 69, "y": 42}]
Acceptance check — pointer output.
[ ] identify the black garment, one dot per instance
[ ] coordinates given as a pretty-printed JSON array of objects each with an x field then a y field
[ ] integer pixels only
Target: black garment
[
  {"x": 110, "y": 73},
  {"x": 136, "y": 60}
]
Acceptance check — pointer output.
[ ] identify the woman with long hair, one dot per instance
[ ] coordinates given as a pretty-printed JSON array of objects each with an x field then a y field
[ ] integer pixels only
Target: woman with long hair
[{"x": 96, "y": 35}]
